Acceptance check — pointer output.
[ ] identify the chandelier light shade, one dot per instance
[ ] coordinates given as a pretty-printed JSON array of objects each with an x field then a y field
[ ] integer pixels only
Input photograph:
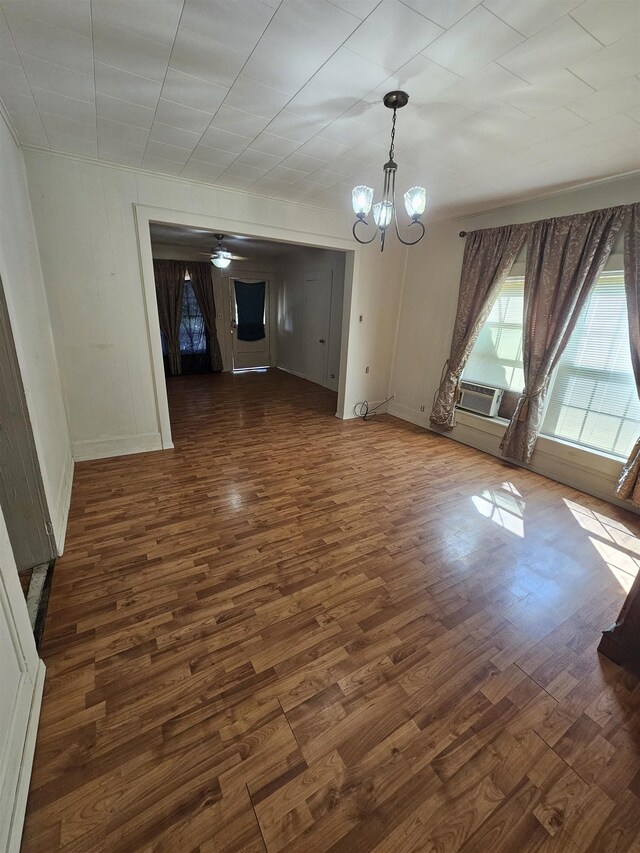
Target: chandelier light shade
[
  {"x": 382, "y": 214},
  {"x": 361, "y": 199},
  {"x": 385, "y": 211},
  {"x": 415, "y": 201}
]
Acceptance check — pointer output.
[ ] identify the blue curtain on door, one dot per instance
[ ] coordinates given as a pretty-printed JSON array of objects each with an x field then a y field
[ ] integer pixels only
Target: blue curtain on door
[{"x": 250, "y": 304}]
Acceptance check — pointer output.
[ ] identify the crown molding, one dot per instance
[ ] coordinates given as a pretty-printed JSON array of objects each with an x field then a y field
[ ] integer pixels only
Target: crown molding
[
  {"x": 137, "y": 170},
  {"x": 455, "y": 217},
  {"x": 541, "y": 196},
  {"x": 4, "y": 112}
]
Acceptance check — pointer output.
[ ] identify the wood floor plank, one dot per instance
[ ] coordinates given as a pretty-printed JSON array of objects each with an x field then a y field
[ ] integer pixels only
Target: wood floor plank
[{"x": 297, "y": 633}]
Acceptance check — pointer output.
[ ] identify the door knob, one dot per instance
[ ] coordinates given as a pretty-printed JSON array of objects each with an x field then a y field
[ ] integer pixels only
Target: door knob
[{"x": 321, "y": 340}]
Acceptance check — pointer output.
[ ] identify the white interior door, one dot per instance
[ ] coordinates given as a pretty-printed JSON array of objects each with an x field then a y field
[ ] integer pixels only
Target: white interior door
[
  {"x": 251, "y": 345},
  {"x": 21, "y": 490},
  {"x": 316, "y": 325},
  {"x": 21, "y": 682}
]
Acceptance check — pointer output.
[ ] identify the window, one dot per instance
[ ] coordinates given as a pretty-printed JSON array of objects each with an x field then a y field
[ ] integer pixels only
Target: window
[
  {"x": 593, "y": 400},
  {"x": 496, "y": 358},
  {"x": 193, "y": 338}
]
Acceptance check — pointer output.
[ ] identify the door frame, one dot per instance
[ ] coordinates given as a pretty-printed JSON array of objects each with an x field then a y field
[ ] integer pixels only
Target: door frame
[{"x": 144, "y": 215}]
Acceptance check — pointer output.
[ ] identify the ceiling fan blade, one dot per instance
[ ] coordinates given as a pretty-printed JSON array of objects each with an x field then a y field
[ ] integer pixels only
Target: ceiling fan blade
[{"x": 229, "y": 255}]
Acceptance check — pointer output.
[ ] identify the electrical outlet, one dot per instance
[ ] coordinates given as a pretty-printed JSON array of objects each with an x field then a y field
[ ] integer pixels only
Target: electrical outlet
[
  {"x": 360, "y": 319},
  {"x": 422, "y": 407},
  {"x": 366, "y": 370}
]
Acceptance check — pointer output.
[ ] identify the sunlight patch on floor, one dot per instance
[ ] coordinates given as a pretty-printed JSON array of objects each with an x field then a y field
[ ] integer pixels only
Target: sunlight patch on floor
[
  {"x": 617, "y": 546},
  {"x": 503, "y": 507}
]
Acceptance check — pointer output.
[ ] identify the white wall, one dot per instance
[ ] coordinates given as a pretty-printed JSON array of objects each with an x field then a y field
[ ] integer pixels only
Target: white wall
[
  {"x": 373, "y": 322},
  {"x": 30, "y": 321},
  {"x": 426, "y": 325},
  {"x": 84, "y": 213},
  {"x": 290, "y": 312}
]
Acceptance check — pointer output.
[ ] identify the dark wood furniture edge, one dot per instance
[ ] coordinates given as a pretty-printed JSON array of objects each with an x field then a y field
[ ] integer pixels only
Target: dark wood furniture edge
[{"x": 621, "y": 641}]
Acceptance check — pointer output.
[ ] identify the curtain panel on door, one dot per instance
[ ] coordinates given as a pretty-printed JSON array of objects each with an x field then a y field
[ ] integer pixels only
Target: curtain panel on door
[
  {"x": 488, "y": 257},
  {"x": 250, "y": 304},
  {"x": 202, "y": 283},
  {"x": 629, "y": 483},
  {"x": 565, "y": 256},
  {"x": 169, "y": 277}
]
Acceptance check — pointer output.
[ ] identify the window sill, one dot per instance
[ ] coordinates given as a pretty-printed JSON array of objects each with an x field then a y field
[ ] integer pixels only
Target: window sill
[{"x": 549, "y": 451}]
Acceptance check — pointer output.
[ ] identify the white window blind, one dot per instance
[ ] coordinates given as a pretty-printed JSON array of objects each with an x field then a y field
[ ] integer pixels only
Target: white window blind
[
  {"x": 496, "y": 358},
  {"x": 593, "y": 400}
]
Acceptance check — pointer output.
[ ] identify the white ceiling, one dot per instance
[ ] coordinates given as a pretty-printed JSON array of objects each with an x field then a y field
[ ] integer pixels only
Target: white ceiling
[
  {"x": 204, "y": 240},
  {"x": 508, "y": 98}
]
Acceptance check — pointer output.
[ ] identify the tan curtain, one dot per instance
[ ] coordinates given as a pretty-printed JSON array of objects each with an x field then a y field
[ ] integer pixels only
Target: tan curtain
[
  {"x": 169, "y": 277},
  {"x": 488, "y": 257},
  {"x": 202, "y": 283},
  {"x": 565, "y": 256},
  {"x": 629, "y": 482}
]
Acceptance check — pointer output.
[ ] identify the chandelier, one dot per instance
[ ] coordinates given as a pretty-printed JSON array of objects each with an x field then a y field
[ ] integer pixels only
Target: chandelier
[{"x": 384, "y": 212}]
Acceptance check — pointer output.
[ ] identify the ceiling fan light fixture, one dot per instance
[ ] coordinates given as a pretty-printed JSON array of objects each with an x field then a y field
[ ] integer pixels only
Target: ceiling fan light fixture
[
  {"x": 220, "y": 260},
  {"x": 385, "y": 211}
]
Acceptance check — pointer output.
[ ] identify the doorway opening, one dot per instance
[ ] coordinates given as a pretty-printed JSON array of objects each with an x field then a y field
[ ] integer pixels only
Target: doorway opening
[{"x": 274, "y": 306}]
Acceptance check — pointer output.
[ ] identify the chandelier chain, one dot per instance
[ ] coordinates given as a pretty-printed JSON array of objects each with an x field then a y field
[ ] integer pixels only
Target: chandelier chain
[{"x": 393, "y": 135}]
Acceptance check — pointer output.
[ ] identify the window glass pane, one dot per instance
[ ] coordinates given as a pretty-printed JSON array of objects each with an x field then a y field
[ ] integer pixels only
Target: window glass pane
[
  {"x": 593, "y": 400},
  {"x": 193, "y": 337},
  {"x": 496, "y": 358},
  {"x": 507, "y": 344}
]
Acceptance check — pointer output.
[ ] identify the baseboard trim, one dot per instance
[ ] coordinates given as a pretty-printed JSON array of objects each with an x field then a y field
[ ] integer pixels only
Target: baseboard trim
[
  {"x": 302, "y": 376},
  {"x": 292, "y": 372},
  {"x": 122, "y": 445},
  {"x": 406, "y": 414},
  {"x": 22, "y": 788},
  {"x": 62, "y": 506}
]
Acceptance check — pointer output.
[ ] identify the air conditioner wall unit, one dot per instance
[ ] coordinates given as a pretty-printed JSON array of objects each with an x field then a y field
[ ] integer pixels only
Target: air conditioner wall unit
[{"x": 481, "y": 399}]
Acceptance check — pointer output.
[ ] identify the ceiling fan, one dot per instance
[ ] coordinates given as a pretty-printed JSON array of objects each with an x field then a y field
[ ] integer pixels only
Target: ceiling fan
[{"x": 219, "y": 256}]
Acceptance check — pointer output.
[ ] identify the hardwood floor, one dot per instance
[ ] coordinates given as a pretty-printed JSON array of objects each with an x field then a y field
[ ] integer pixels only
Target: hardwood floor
[{"x": 297, "y": 633}]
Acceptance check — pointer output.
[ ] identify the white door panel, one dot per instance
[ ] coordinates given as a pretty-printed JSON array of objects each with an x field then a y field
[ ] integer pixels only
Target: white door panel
[
  {"x": 21, "y": 681},
  {"x": 316, "y": 325}
]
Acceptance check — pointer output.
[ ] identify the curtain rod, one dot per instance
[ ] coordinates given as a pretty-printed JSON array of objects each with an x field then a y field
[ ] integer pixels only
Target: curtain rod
[{"x": 566, "y": 216}]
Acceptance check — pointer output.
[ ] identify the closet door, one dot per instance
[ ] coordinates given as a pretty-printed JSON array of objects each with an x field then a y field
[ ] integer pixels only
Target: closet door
[
  {"x": 316, "y": 325},
  {"x": 21, "y": 682}
]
